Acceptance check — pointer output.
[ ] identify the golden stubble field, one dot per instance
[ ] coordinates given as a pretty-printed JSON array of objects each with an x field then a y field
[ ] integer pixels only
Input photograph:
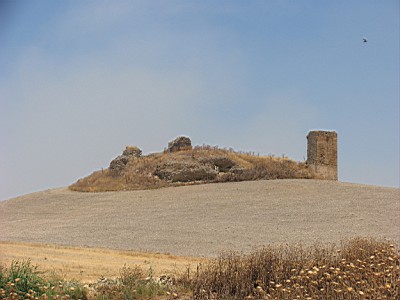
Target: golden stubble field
[{"x": 89, "y": 264}]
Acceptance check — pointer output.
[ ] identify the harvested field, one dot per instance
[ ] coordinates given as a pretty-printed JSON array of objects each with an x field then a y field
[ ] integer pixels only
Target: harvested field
[
  {"x": 88, "y": 264},
  {"x": 202, "y": 220}
]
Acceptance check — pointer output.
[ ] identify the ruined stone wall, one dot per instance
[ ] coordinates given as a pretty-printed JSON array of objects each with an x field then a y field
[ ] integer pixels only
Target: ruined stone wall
[{"x": 322, "y": 153}]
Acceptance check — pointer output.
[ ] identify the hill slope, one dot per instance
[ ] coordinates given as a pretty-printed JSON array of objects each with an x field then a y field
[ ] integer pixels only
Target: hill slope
[{"x": 204, "y": 219}]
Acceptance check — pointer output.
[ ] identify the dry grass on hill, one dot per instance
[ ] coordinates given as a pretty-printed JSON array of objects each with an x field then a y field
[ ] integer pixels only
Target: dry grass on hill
[{"x": 141, "y": 172}]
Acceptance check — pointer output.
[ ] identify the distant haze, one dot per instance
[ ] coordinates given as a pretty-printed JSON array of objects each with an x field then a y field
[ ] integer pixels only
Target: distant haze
[{"x": 80, "y": 80}]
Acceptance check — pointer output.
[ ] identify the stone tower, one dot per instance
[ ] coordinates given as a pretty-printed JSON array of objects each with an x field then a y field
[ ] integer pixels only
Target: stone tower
[{"x": 322, "y": 153}]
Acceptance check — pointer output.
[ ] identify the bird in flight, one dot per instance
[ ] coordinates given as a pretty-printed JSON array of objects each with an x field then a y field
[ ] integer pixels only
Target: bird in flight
[{"x": 365, "y": 40}]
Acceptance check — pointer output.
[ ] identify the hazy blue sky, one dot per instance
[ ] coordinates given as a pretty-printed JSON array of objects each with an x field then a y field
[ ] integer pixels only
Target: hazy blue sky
[{"x": 80, "y": 80}]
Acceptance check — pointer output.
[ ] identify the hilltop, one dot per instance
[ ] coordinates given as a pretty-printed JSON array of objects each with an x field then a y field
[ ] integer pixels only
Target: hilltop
[{"x": 182, "y": 164}]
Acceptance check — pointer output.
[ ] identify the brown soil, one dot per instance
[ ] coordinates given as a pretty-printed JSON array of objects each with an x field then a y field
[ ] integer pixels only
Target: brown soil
[{"x": 203, "y": 220}]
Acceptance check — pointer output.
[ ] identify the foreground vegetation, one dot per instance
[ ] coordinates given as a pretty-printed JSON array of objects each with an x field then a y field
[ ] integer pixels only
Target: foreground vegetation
[
  {"x": 144, "y": 172},
  {"x": 359, "y": 269},
  {"x": 22, "y": 280}
]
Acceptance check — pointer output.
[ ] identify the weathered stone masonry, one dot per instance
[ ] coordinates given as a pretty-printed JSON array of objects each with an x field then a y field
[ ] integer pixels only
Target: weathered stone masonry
[{"x": 322, "y": 153}]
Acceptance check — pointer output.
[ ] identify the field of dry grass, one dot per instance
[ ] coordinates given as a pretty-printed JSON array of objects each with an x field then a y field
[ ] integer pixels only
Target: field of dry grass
[
  {"x": 88, "y": 264},
  {"x": 359, "y": 269}
]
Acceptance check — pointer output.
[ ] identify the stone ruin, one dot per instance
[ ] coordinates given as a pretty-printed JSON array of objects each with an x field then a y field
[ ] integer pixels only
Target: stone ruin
[
  {"x": 179, "y": 144},
  {"x": 132, "y": 151},
  {"x": 322, "y": 154},
  {"x": 187, "y": 168},
  {"x": 118, "y": 164},
  {"x": 321, "y": 159}
]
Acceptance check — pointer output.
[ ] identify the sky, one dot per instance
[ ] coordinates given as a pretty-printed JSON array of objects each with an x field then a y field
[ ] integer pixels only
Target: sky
[{"x": 80, "y": 80}]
